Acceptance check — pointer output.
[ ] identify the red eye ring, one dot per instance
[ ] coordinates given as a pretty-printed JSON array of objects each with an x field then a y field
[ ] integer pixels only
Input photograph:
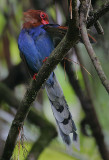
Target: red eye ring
[{"x": 42, "y": 15}]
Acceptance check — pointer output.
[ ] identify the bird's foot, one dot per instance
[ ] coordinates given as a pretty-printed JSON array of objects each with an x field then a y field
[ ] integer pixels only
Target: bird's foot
[
  {"x": 45, "y": 59},
  {"x": 34, "y": 76}
]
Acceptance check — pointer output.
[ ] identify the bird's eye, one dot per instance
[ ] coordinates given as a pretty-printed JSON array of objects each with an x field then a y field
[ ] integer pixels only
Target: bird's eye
[{"x": 42, "y": 15}]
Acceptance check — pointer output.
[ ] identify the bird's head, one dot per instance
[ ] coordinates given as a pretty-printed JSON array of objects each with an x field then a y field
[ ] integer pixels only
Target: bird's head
[{"x": 34, "y": 18}]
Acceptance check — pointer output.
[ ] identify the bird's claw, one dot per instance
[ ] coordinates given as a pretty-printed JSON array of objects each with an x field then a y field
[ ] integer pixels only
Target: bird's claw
[
  {"x": 34, "y": 76},
  {"x": 45, "y": 59}
]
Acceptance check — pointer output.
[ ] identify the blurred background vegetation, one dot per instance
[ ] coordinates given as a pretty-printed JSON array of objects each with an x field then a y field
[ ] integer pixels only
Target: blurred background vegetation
[{"x": 11, "y": 13}]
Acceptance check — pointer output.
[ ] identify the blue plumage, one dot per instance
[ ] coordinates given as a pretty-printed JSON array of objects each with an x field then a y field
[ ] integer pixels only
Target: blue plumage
[{"x": 35, "y": 43}]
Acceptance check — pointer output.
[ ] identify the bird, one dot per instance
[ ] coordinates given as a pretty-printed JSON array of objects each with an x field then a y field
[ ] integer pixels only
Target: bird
[{"x": 36, "y": 41}]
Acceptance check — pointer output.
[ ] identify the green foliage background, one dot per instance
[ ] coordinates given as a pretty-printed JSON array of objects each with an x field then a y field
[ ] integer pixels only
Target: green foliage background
[{"x": 57, "y": 150}]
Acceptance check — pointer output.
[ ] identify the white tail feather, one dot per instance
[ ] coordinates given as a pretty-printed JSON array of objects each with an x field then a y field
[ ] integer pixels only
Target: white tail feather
[{"x": 60, "y": 109}]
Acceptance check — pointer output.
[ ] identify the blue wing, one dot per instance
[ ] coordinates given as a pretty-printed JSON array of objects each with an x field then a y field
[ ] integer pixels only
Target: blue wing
[
  {"x": 35, "y": 44},
  {"x": 56, "y": 32}
]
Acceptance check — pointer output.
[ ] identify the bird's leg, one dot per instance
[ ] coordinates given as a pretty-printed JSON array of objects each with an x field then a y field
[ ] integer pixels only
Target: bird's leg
[
  {"x": 34, "y": 76},
  {"x": 45, "y": 59}
]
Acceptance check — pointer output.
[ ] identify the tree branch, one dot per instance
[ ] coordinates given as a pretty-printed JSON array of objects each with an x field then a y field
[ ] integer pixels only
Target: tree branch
[
  {"x": 97, "y": 24},
  {"x": 89, "y": 48},
  {"x": 33, "y": 117},
  {"x": 47, "y": 134},
  {"x": 103, "y": 10},
  {"x": 70, "y": 39},
  {"x": 89, "y": 109}
]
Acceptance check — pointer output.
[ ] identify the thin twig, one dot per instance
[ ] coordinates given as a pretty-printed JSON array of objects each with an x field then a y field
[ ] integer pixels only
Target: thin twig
[
  {"x": 99, "y": 13},
  {"x": 99, "y": 28},
  {"x": 97, "y": 24},
  {"x": 88, "y": 9},
  {"x": 70, "y": 8},
  {"x": 84, "y": 74},
  {"x": 90, "y": 50},
  {"x": 90, "y": 112}
]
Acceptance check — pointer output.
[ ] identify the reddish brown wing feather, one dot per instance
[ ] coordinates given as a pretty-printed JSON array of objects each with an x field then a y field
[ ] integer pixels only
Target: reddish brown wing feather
[
  {"x": 59, "y": 32},
  {"x": 92, "y": 39},
  {"x": 55, "y": 31}
]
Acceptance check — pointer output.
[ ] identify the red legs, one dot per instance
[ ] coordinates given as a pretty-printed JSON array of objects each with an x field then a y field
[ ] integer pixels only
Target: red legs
[
  {"x": 34, "y": 76},
  {"x": 45, "y": 59}
]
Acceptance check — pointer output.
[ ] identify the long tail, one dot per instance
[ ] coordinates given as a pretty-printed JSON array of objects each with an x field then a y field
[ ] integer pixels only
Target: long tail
[{"x": 60, "y": 109}]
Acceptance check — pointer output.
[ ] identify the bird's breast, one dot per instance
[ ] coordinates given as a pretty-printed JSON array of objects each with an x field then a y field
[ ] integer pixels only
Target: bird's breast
[
  {"x": 43, "y": 41},
  {"x": 36, "y": 45}
]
